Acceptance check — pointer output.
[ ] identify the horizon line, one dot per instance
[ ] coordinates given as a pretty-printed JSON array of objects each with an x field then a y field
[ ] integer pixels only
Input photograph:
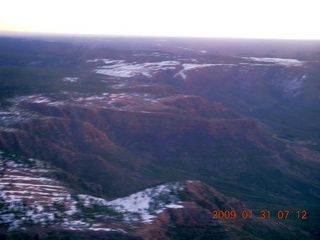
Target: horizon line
[{"x": 63, "y": 34}]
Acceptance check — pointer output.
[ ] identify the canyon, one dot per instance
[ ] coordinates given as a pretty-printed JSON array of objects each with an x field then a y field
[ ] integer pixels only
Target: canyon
[{"x": 133, "y": 139}]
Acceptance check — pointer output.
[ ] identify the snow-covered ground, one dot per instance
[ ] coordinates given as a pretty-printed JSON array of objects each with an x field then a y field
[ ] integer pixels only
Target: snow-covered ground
[
  {"x": 192, "y": 66},
  {"x": 141, "y": 206},
  {"x": 119, "y": 68},
  {"x": 148, "y": 203},
  {"x": 29, "y": 195},
  {"x": 123, "y": 69},
  {"x": 278, "y": 61},
  {"x": 122, "y": 101},
  {"x": 15, "y": 114}
]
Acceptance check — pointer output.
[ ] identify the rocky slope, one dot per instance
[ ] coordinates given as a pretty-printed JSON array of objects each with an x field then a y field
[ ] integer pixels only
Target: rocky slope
[
  {"x": 35, "y": 203},
  {"x": 102, "y": 138}
]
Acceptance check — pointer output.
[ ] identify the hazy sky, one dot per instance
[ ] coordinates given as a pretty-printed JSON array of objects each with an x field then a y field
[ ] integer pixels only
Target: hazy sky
[{"x": 290, "y": 19}]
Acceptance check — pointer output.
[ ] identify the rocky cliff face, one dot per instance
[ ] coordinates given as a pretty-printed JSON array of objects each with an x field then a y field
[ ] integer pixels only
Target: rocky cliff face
[
  {"x": 185, "y": 132},
  {"x": 75, "y": 146}
]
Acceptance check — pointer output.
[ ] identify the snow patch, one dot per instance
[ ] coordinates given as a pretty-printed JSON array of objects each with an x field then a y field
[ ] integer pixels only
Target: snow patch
[
  {"x": 279, "y": 61},
  {"x": 194, "y": 66},
  {"x": 70, "y": 79},
  {"x": 118, "y": 68},
  {"x": 145, "y": 205},
  {"x": 31, "y": 196},
  {"x": 41, "y": 100},
  {"x": 174, "y": 206}
]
